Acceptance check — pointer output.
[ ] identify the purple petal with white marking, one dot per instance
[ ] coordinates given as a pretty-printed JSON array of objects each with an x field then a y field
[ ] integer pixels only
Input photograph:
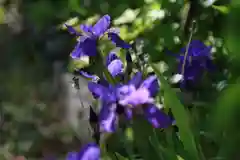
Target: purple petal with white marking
[
  {"x": 108, "y": 117},
  {"x": 101, "y": 26}
]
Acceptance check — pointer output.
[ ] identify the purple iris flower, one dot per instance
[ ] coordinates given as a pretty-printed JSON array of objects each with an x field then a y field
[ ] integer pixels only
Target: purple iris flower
[
  {"x": 141, "y": 93},
  {"x": 108, "y": 98},
  {"x": 89, "y": 152},
  {"x": 198, "y": 59},
  {"x": 87, "y": 42}
]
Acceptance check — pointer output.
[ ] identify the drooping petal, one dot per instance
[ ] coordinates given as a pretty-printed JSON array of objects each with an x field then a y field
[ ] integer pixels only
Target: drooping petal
[
  {"x": 115, "y": 67},
  {"x": 89, "y": 152},
  {"x": 72, "y": 156},
  {"x": 138, "y": 97},
  {"x": 102, "y": 92},
  {"x": 85, "y": 47},
  {"x": 94, "y": 78},
  {"x": 110, "y": 57},
  {"x": 151, "y": 83},
  {"x": 107, "y": 117},
  {"x": 115, "y": 38},
  {"x": 156, "y": 117},
  {"x": 101, "y": 26},
  {"x": 77, "y": 52},
  {"x": 136, "y": 80},
  {"x": 71, "y": 30}
]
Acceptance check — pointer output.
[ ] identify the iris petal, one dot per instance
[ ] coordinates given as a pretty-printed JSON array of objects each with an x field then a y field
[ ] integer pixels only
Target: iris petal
[
  {"x": 86, "y": 28},
  {"x": 72, "y": 156},
  {"x": 115, "y": 38},
  {"x": 156, "y": 117},
  {"x": 89, "y": 152},
  {"x": 111, "y": 56},
  {"x": 136, "y": 80},
  {"x": 115, "y": 67},
  {"x": 72, "y": 30},
  {"x": 102, "y": 92},
  {"x": 108, "y": 117},
  {"x": 151, "y": 83},
  {"x": 138, "y": 97},
  {"x": 85, "y": 47},
  {"x": 94, "y": 78},
  {"x": 101, "y": 26}
]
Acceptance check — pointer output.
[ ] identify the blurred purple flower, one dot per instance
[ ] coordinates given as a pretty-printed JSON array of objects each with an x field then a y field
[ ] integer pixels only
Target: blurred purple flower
[
  {"x": 198, "y": 59},
  {"x": 89, "y": 152},
  {"x": 137, "y": 93},
  {"x": 87, "y": 43}
]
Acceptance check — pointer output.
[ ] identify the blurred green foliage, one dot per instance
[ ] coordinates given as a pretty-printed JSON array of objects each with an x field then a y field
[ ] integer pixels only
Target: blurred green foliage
[{"x": 29, "y": 119}]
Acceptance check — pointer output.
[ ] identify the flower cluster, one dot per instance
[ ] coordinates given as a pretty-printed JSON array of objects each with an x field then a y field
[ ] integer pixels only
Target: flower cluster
[{"x": 124, "y": 98}]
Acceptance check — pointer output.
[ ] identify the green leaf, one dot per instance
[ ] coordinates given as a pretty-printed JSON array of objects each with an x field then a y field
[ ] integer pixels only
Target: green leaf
[
  {"x": 2, "y": 14},
  {"x": 120, "y": 157},
  {"x": 142, "y": 131},
  {"x": 181, "y": 117},
  {"x": 222, "y": 9}
]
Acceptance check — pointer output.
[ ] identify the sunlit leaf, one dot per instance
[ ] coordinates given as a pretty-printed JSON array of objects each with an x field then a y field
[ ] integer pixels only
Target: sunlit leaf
[{"x": 222, "y": 9}]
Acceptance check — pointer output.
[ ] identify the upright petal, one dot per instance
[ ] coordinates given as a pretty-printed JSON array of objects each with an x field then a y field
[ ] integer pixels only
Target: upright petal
[
  {"x": 156, "y": 117},
  {"x": 115, "y": 67},
  {"x": 136, "y": 80},
  {"x": 151, "y": 83},
  {"x": 110, "y": 57},
  {"x": 89, "y": 152},
  {"x": 86, "y": 28},
  {"x": 115, "y": 38},
  {"x": 101, "y": 26},
  {"x": 107, "y": 117}
]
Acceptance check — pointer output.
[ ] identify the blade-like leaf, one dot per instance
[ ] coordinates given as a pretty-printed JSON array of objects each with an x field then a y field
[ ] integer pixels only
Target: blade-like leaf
[{"x": 181, "y": 117}]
